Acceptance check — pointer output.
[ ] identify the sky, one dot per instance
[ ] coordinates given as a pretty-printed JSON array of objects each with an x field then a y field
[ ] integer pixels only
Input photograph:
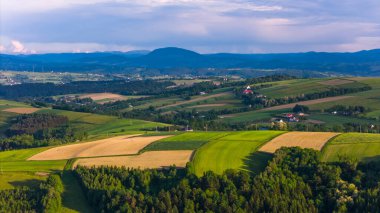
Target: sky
[{"x": 205, "y": 26}]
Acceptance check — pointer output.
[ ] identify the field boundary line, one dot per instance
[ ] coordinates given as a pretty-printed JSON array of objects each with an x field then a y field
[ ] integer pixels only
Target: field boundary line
[{"x": 322, "y": 151}]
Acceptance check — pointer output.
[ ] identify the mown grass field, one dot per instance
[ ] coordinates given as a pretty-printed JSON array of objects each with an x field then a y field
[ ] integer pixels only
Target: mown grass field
[
  {"x": 251, "y": 116},
  {"x": 357, "y": 146},
  {"x": 185, "y": 141},
  {"x": 10, "y": 180},
  {"x": 15, "y": 161},
  {"x": 16, "y": 171},
  {"x": 234, "y": 151}
]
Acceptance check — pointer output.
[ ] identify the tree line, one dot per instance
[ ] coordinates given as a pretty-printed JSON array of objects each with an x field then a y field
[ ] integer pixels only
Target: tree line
[
  {"x": 143, "y": 87},
  {"x": 39, "y": 129},
  {"x": 295, "y": 180},
  {"x": 45, "y": 199}
]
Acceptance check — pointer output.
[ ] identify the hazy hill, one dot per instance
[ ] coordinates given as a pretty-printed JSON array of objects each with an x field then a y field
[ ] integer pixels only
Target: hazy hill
[{"x": 365, "y": 63}]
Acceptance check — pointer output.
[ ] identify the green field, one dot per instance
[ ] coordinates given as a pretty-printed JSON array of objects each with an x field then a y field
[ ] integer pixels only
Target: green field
[
  {"x": 369, "y": 99},
  {"x": 15, "y": 161},
  {"x": 303, "y": 86},
  {"x": 10, "y": 180},
  {"x": 185, "y": 141},
  {"x": 103, "y": 125},
  {"x": 16, "y": 171},
  {"x": 234, "y": 151},
  {"x": 357, "y": 146},
  {"x": 331, "y": 120}
]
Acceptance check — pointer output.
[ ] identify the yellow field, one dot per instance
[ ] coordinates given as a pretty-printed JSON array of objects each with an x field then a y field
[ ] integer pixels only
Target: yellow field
[
  {"x": 121, "y": 145},
  {"x": 312, "y": 140},
  {"x": 101, "y": 96},
  {"x": 146, "y": 160},
  {"x": 21, "y": 110}
]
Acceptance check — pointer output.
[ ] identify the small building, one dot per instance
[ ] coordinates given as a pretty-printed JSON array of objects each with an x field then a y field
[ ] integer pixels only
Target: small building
[{"x": 248, "y": 91}]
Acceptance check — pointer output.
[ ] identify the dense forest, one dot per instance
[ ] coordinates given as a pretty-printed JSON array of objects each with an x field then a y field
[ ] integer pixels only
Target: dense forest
[
  {"x": 46, "y": 198},
  {"x": 34, "y": 130},
  {"x": 145, "y": 87},
  {"x": 295, "y": 180}
]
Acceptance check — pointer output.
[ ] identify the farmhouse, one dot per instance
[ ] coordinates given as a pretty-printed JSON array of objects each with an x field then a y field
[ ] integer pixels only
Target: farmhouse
[{"x": 248, "y": 91}]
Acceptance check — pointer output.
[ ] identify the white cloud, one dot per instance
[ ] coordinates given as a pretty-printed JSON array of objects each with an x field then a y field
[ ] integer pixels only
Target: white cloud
[
  {"x": 18, "y": 47},
  {"x": 2, "y": 48},
  {"x": 203, "y": 25}
]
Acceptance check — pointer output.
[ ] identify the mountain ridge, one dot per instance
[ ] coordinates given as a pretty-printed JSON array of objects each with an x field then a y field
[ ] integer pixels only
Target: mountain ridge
[{"x": 365, "y": 63}]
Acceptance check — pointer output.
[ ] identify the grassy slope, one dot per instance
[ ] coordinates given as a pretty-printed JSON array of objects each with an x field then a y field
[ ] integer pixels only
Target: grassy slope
[
  {"x": 73, "y": 198},
  {"x": 234, "y": 151},
  {"x": 15, "y": 161},
  {"x": 104, "y": 125},
  {"x": 369, "y": 99},
  {"x": 10, "y": 180},
  {"x": 16, "y": 171},
  {"x": 358, "y": 146},
  {"x": 252, "y": 116},
  {"x": 302, "y": 86},
  {"x": 186, "y": 141}
]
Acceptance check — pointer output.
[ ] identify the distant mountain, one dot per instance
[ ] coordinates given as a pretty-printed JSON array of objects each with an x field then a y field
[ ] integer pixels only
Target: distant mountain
[{"x": 172, "y": 60}]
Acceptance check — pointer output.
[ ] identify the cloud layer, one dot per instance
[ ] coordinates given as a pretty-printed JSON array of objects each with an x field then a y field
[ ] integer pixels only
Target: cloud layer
[{"x": 243, "y": 26}]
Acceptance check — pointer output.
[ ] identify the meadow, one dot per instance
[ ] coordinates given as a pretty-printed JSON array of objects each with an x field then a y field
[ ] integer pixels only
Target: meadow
[
  {"x": 234, "y": 151},
  {"x": 354, "y": 146},
  {"x": 305, "y": 86},
  {"x": 185, "y": 141},
  {"x": 370, "y": 99}
]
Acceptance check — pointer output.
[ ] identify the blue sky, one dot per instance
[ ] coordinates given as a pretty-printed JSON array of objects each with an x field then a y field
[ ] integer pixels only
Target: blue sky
[{"x": 206, "y": 26}]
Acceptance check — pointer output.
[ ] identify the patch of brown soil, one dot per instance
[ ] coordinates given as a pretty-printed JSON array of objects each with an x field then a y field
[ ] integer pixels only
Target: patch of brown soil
[
  {"x": 147, "y": 160},
  {"x": 121, "y": 145},
  {"x": 22, "y": 110},
  {"x": 312, "y": 140},
  {"x": 101, "y": 96}
]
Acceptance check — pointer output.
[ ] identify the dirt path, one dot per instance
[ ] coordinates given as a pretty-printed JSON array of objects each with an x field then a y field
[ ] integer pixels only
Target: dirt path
[
  {"x": 306, "y": 103},
  {"x": 312, "y": 140},
  {"x": 121, "y": 145},
  {"x": 196, "y": 99},
  {"x": 206, "y": 105},
  {"x": 146, "y": 160}
]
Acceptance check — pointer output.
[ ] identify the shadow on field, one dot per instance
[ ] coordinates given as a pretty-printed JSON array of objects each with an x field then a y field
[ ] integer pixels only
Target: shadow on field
[
  {"x": 256, "y": 162},
  {"x": 373, "y": 158},
  {"x": 73, "y": 197},
  {"x": 31, "y": 183}
]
